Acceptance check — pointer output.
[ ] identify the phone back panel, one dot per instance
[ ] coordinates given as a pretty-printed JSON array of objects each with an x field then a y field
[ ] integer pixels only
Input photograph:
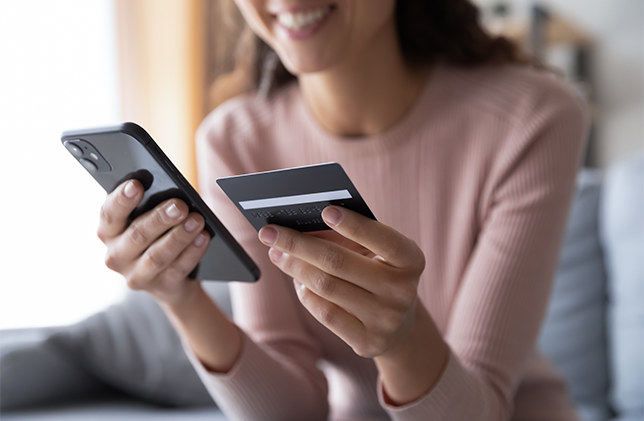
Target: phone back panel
[{"x": 126, "y": 151}]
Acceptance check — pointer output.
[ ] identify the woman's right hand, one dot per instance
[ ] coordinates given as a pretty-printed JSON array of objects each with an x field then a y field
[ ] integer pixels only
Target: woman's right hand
[{"x": 157, "y": 250}]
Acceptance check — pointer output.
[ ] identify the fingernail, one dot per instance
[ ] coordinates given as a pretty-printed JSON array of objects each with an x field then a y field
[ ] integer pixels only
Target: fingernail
[
  {"x": 275, "y": 255},
  {"x": 172, "y": 211},
  {"x": 191, "y": 225},
  {"x": 130, "y": 190},
  {"x": 332, "y": 216},
  {"x": 268, "y": 235},
  {"x": 201, "y": 239}
]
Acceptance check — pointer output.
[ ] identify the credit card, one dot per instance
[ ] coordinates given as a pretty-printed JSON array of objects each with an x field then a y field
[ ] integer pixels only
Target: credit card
[{"x": 293, "y": 197}]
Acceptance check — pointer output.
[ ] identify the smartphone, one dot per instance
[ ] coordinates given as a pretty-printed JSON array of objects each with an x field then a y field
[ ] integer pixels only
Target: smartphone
[{"x": 125, "y": 151}]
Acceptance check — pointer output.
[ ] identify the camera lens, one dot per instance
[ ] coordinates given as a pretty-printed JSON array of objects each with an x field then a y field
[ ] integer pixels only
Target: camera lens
[
  {"x": 74, "y": 149},
  {"x": 89, "y": 165}
]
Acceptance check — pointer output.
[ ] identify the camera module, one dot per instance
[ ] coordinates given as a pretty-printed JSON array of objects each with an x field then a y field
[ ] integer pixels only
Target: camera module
[
  {"x": 88, "y": 155},
  {"x": 74, "y": 149},
  {"x": 89, "y": 165}
]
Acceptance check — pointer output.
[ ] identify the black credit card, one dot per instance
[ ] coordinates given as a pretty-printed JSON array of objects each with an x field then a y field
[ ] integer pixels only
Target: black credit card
[{"x": 293, "y": 197}]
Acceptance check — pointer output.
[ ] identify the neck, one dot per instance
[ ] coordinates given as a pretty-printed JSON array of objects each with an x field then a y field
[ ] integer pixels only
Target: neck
[{"x": 366, "y": 94}]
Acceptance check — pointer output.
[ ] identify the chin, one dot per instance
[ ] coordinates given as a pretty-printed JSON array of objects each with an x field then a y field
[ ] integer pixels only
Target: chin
[{"x": 301, "y": 64}]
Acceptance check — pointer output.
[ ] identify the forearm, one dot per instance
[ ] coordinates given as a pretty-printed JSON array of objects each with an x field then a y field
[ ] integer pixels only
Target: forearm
[
  {"x": 246, "y": 381},
  {"x": 214, "y": 339},
  {"x": 414, "y": 366}
]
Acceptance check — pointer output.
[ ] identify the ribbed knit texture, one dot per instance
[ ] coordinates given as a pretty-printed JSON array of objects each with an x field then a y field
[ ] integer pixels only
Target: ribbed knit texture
[{"x": 479, "y": 173}]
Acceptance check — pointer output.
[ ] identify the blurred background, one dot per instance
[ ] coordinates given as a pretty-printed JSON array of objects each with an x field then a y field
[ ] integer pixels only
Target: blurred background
[{"x": 77, "y": 63}]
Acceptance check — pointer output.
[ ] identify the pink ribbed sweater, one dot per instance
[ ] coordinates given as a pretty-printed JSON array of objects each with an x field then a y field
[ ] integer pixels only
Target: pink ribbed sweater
[{"x": 480, "y": 174}]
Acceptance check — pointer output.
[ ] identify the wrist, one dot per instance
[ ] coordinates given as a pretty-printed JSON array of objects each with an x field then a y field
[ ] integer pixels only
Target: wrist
[
  {"x": 185, "y": 298},
  {"x": 414, "y": 365},
  {"x": 214, "y": 339}
]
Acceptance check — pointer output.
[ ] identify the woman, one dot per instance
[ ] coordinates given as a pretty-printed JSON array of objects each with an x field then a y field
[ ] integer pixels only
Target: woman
[{"x": 466, "y": 155}]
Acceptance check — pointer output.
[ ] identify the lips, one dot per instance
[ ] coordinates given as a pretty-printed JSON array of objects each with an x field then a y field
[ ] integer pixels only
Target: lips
[
  {"x": 299, "y": 20},
  {"x": 300, "y": 24}
]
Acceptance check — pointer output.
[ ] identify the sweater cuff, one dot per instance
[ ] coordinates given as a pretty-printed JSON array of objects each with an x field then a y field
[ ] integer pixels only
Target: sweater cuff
[
  {"x": 445, "y": 401},
  {"x": 246, "y": 390}
]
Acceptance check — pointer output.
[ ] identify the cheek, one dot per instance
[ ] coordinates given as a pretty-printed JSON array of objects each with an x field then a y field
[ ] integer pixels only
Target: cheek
[
  {"x": 371, "y": 18},
  {"x": 254, "y": 12},
  {"x": 355, "y": 28}
]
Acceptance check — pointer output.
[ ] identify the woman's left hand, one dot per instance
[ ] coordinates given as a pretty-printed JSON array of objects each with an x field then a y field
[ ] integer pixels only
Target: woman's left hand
[{"x": 359, "y": 280}]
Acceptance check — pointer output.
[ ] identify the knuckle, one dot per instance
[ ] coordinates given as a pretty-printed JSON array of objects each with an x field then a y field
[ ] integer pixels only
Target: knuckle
[
  {"x": 100, "y": 233},
  {"x": 351, "y": 228},
  {"x": 333, "y": 260},
  {"x": 390, "y": 321},
  {"x": 180, "y": 240},
  {"x": 291, "y": 266},
  {"x": 105, "y": 216},
  {"x": 420, "y": 263},
  {"x": 134, "y": 284},
  {"x": 396, "y": 246},
  {"x": 371, "y": 347},
  {"x": 419, "y": 256},
  {"x": 111, "y": 261},
  {"x": 289, "y": 243},
  {"x": 138, "y": 235},
  {"x": 359, "y": 346},
  {"x": 158, "y": 216},
  {"x": 323, "y": 285},
  {"x": 327, "y": 316},
  {"x": 120, "y": 201},
  {"x": 155, "y": 260},
  {"x": 176, "y": 271},
  {"x": 404, "y": 295},
  {"x": 378, "y": 345},
  {"x": 304, "y": 297}
]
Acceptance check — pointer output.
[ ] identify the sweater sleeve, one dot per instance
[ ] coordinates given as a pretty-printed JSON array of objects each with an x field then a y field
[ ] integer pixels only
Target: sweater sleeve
[
  {"x": 275, "y": 377},
  {"x": 497, "y": 313}
]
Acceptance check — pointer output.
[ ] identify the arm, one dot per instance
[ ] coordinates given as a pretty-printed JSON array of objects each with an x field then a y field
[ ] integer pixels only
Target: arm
[
  {"x": 472, "y": 371},
  {"x": 500, "y": 304},
  {"x": 215, "y": 340},
  {"x": 155, "y": 253},
  {"x": 277, "y": 358}
]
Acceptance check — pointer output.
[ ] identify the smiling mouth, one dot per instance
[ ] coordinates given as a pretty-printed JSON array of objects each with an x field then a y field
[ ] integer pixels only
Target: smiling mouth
[{"x": 301, "y": 20}]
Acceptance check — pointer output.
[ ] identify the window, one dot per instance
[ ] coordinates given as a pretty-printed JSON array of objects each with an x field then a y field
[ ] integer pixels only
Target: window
[{"x": 59, "y": 71}]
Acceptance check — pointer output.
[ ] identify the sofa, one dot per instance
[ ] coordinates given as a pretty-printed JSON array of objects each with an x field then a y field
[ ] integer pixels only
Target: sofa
[{"x": 127, "y": 361}]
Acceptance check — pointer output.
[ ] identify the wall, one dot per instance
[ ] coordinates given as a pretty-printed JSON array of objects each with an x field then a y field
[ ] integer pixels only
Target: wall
[{"x": 618, "y": 65}]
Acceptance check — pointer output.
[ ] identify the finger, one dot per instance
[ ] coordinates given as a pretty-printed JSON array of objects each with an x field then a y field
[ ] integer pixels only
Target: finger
[
  {"x": 337, "y": 320},
  {"x": 358, "y": 301},
  {"x": 325, "y": 255},
  {"x": 189, "y": 258},
  {"x": 386, "y": 242},
  {"x": 149, "y": 227},
  {"x": 117, "y": 207},
  {"x": 164, "y": 252},
  {"x": 336, "y": 238},
  {"x": 346, "y": 326}
]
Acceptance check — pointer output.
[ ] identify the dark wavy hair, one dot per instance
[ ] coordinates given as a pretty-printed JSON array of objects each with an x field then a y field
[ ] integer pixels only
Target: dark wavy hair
[{"x": 428, "y": 30}]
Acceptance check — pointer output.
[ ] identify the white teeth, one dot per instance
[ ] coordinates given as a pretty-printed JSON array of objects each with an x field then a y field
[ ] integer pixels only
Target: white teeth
[{"x": 299, "y": 20}]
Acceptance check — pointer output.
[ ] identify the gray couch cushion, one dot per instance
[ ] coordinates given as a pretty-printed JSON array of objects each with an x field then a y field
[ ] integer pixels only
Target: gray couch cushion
[
  {"x": 622, "y": 228},
  {"x": 121, "y": 409},
  {"x": 132, "y": 347},
  {"x": 32, "y": 373},
  {"x": 573, "y": 335}
]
